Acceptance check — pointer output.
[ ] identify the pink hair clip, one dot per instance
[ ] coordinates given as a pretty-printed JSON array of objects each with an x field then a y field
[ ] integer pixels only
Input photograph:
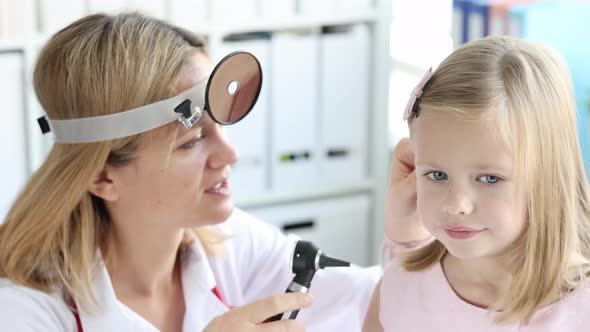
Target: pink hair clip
[{"x": 417, "y": 93}]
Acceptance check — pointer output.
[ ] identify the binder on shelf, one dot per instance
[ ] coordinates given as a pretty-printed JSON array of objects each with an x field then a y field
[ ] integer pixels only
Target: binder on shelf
[
  {"x": 477, "y": 25},
  {"x": 107, "y": 6},
  {"x": 56, "y": 15},
  {"x": 3, "y": 12},
  {"x": 500, "y": 20},
  {"x": 332, "y": 224},
  {"x": 460, "y": 22},
  {"x": 17, "y": 19},
  {"x": 352, "y": 6},
  {"x": 153, "y": 8},
  {"x": 273, "y": 9},
  {"x": 12, "y": 126},
  {"x": 294, "y": 101},
  {"x": 189, "y": 14},
  {"x": 316, "y": 7},
  {"x": 233, "y": 10},
  {"x": 250, "y": 176},
  {"x": 344, "y": 105},
  {"x": 470, "y": 20}
]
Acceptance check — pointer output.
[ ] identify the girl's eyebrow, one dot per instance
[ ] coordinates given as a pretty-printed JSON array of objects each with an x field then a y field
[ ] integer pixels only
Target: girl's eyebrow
[
  {"x": 427, "y": 164},
  {"x": 494, "y": 166},
  {"x": 478, "y": 166}
]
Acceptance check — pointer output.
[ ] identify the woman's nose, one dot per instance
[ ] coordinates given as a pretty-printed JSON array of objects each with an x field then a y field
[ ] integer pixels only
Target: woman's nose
[{"x": 224, "y": 153}]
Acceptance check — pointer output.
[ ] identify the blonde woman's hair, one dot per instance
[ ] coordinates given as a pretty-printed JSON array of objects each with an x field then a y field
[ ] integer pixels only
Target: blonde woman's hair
[
  {"x": 98, "y": 65},
  {"x": 527, "y": 90}
]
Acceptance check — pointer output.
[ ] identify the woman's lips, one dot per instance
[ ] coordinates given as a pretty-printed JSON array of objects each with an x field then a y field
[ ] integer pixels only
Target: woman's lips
[{"x": 221, "y": 189}]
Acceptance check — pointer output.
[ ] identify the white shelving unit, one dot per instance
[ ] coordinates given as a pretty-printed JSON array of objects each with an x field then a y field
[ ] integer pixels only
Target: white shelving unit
[
  {"x": 289, "y": 23},
  {"x": 376, "y": 18}
]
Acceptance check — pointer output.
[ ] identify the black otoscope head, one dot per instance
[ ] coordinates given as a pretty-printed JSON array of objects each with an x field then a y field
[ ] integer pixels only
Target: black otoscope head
[{"x": 307, "y": 259}]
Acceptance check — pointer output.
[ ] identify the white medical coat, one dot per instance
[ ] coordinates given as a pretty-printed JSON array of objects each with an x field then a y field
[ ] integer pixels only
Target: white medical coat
[{"x": 254, "y": 264}]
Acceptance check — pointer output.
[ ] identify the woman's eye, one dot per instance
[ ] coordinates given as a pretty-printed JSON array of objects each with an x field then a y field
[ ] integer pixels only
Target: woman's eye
[
  {"x": 490, "y": 179},
  {"x": 437, "y": 175},
  {"x": 192, "y": 143}
]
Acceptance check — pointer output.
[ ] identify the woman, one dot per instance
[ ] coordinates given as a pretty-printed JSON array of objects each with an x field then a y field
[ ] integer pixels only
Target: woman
[{"x": 138, "y": 231}]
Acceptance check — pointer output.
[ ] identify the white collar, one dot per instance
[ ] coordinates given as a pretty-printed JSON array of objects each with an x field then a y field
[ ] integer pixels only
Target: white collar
[{"x": 201, "y": 305}]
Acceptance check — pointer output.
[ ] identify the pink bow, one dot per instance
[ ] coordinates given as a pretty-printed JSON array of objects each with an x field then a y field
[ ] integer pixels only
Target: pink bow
[{"x": 417, "y": 93}]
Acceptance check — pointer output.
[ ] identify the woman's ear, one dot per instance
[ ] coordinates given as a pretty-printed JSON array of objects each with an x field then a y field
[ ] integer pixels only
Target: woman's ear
[{"x": 104, "y": 186}]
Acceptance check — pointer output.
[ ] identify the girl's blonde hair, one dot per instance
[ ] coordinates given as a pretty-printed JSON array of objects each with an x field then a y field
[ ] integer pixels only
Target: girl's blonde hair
[
  {"x": 527, "y": 90},
  {"x": 98, "y": 65}
]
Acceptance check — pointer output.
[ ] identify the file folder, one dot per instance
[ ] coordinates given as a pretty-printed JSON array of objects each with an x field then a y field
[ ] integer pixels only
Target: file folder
[
  {"x": 56, "y": 15},
  {"x": 108, "y": 6},
  {"x": 17, "y": 19},
  {"x": 352, "y": 6},
  {"x": 294, "y": 103},
  {"x": 477, "y": 25},
  {"x": 189, "y": 14},
  {"x": 233, "y": 10},
  {"x": 344, "y": 105},
  {"x": 460, "y": 22},
  {"x": 153, "y": 8},
  {"x": 274, "y": 9},
  {"x": 317, "y": 7}
]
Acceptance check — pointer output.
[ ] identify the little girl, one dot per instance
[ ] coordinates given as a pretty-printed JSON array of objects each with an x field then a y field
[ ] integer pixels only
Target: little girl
[{"x": 501, "y": 188}]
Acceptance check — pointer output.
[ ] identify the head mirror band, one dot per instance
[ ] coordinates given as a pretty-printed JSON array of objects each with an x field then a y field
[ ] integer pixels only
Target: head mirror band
[
  {"x": 223, "y": 106},
  {"x": 132, "y": 122}
]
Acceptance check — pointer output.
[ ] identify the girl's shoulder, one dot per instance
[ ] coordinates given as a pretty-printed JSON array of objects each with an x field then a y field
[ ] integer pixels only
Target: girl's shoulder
[
  {"x": 394, "y": 272},
  {"x": 578, "y": 298},
  {"x": 415, "y": 289},
  {"x": 27, "y": 309}
]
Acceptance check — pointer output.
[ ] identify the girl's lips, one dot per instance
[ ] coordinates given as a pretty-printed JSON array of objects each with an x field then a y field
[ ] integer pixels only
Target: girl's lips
[
  {"x": 461, "y": 229},
  {"x": 461, "y": 232}
]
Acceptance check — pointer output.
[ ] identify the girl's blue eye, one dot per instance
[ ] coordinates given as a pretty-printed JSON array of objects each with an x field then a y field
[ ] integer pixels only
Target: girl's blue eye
[
  {"x": 437, "y": 175},
  {"x": 490, "y": 179}
]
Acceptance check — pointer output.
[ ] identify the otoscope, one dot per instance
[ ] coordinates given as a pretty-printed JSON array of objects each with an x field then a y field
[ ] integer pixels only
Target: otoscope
[{"x": 306, "y": 260}]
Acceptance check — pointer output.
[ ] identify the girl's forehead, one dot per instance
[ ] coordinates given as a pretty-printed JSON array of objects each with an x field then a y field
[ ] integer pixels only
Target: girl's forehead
[{"x": 439, "y": 135}]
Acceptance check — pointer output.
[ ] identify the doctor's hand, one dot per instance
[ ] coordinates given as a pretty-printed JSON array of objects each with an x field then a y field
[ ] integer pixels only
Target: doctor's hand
[
  {"x": 402, "y": 223},
  {"x": 250, "y": 317}
]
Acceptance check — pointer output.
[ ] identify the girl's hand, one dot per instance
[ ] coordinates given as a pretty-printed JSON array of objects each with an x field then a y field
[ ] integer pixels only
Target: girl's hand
[{"x": 402, "y": 223}]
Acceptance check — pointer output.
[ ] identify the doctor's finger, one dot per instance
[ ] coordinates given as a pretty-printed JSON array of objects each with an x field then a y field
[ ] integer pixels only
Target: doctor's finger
[{"x": 257, "y": 312}]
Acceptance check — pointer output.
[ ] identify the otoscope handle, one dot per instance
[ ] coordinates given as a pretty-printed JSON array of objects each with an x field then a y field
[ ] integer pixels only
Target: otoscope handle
[{"x": 293, "y": 287}]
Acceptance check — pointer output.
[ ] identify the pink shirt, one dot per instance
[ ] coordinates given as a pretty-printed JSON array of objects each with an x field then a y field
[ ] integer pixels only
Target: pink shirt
[{"x": 424, "y": 301}]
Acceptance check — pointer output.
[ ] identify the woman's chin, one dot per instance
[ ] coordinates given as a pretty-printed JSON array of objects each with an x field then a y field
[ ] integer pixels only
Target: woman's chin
[{"x": 213, "y": 216}]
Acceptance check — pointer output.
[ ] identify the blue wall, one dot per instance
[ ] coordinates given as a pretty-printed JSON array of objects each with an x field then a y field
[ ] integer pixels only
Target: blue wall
[{"x": 565, "y": 25}]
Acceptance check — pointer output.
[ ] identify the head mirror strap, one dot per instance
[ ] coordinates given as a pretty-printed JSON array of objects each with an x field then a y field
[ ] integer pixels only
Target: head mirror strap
[
  {"x": 127, "y": 123},
  {"x": 43, "y": 125}
]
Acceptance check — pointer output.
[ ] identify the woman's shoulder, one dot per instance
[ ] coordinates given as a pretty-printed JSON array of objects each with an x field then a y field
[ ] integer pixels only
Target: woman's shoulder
[
  {"x": 27, "y": 309},
  {"x": 241, "y": 221},
  {"x": 247, "y": 232}
]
